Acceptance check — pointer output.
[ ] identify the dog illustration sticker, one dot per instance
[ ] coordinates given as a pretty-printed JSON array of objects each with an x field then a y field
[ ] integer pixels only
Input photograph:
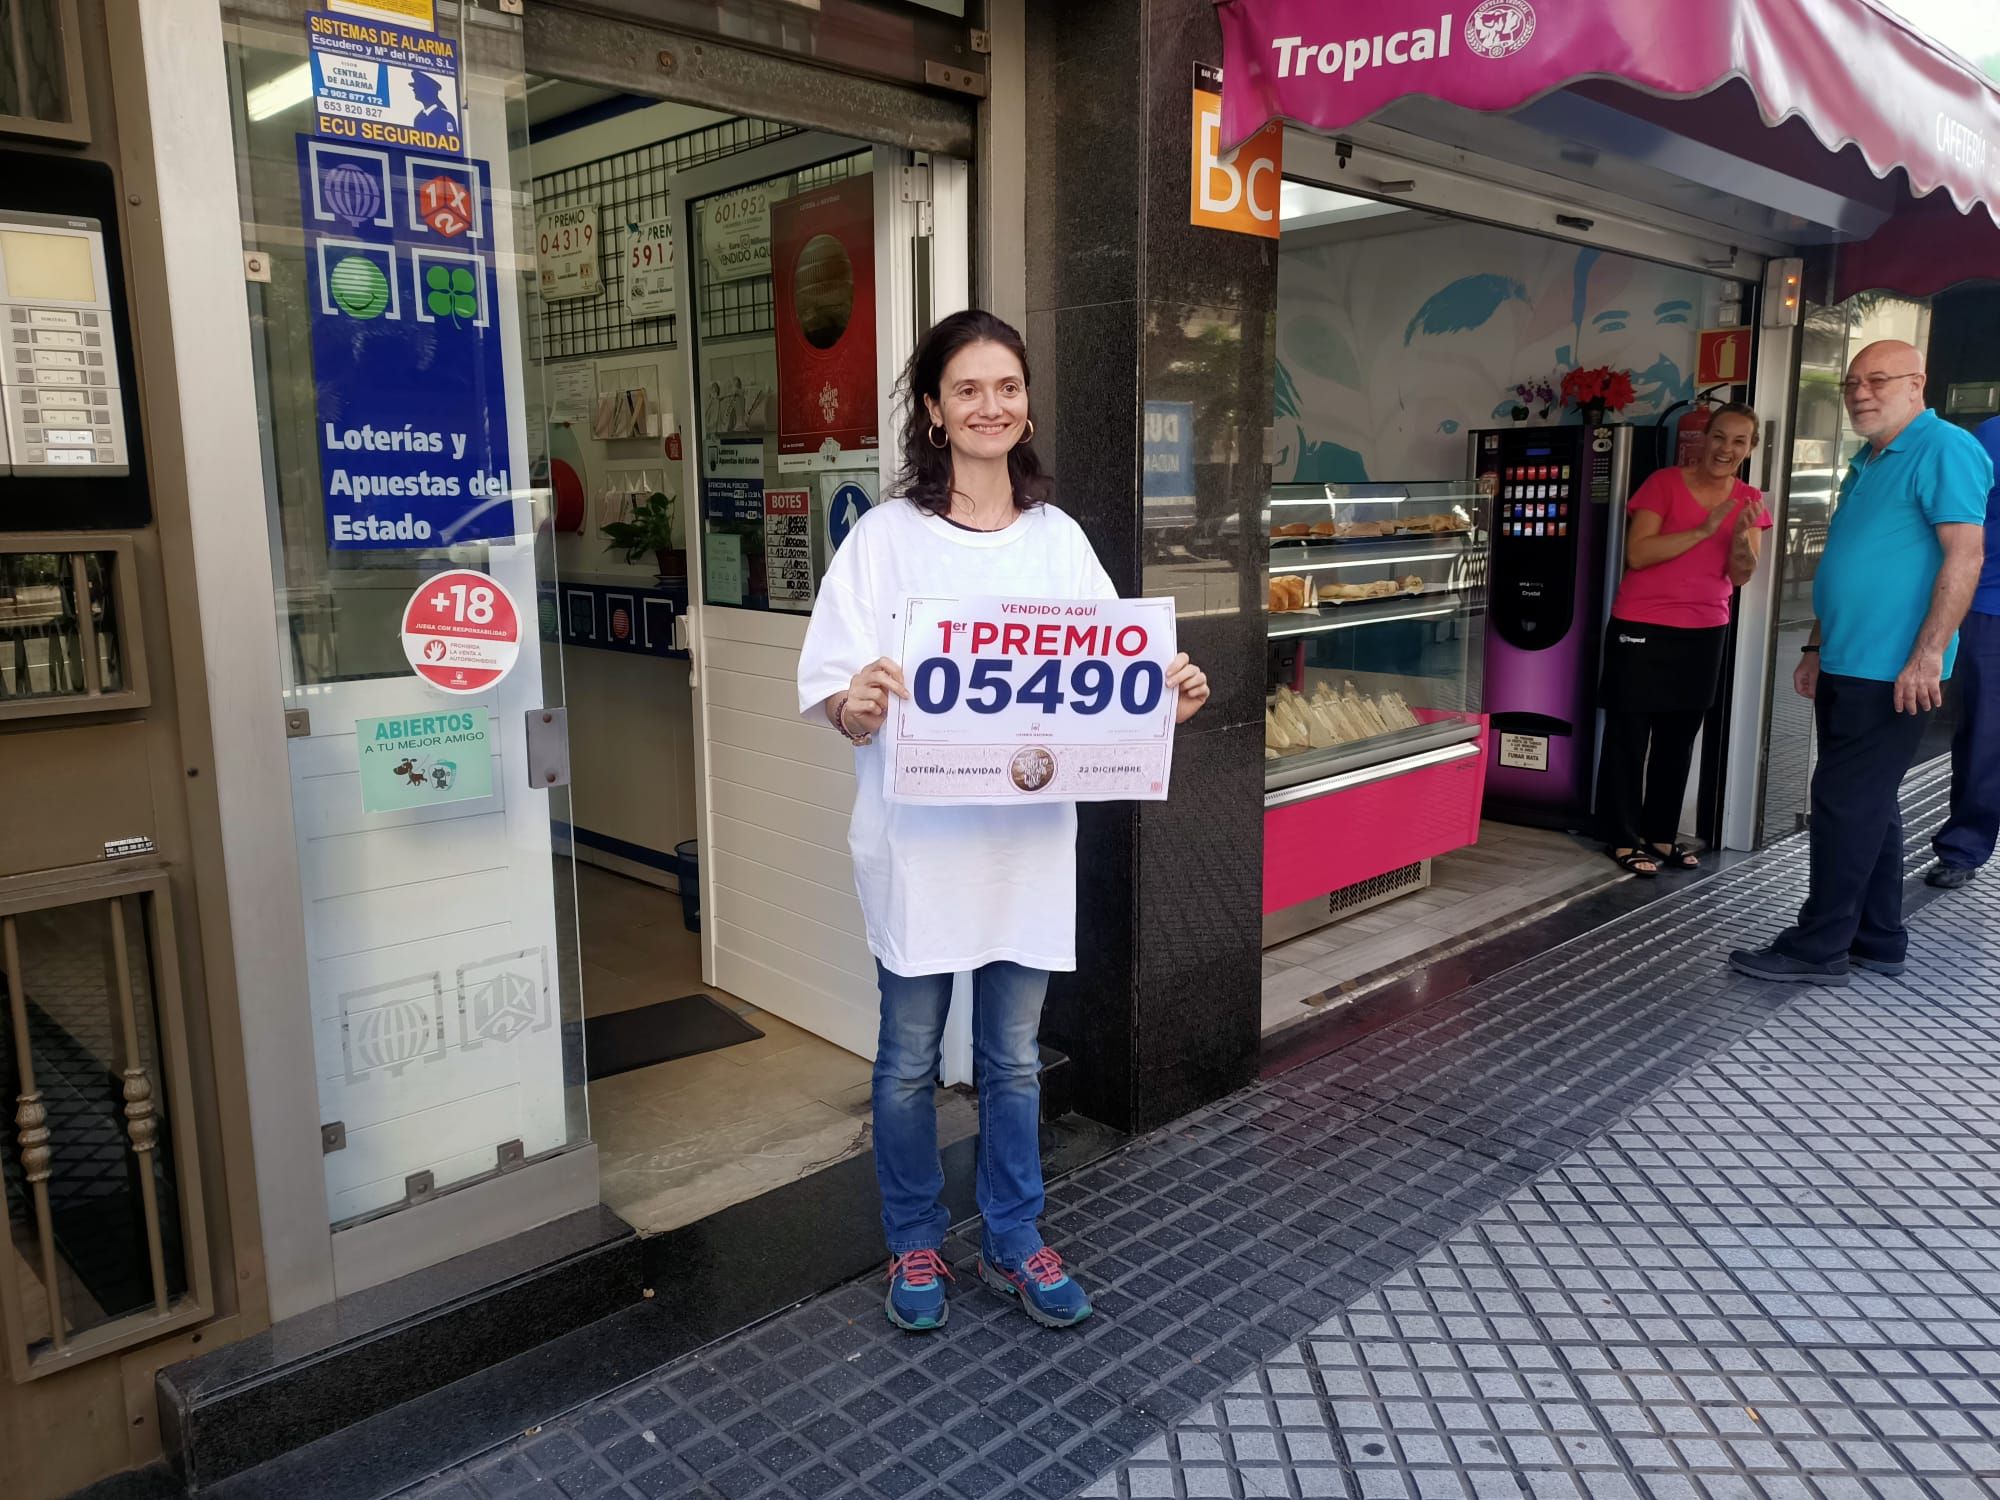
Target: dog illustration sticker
[{"x": 420, "y": 760}]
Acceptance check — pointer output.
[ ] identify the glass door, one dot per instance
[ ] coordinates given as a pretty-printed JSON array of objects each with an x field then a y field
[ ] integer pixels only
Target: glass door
[
  {"x": 412, "y": 554},
  {"x": 812, "y": 264}
]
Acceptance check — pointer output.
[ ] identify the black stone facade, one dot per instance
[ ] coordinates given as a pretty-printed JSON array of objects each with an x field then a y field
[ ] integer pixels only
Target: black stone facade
[{"x": 1129, "y": 303}]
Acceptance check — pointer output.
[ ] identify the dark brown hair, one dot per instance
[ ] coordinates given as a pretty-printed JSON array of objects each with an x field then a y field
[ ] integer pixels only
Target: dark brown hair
[
  {"x": 1737, "y": 409},
  {"x": 926, "y": 473}
]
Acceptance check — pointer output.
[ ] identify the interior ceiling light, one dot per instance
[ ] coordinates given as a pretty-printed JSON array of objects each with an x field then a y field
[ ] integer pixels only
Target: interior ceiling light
[{"x": 280, "y": 94}]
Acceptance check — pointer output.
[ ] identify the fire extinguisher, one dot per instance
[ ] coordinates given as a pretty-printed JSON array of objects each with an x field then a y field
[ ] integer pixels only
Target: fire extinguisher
[{"x": 1691, "y": 431}]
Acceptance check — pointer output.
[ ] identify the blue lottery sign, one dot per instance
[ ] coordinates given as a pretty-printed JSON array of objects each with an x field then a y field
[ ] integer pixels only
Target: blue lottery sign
[
  {"x": 849, "y": 504},
  {"x": 408, "y": 369}
]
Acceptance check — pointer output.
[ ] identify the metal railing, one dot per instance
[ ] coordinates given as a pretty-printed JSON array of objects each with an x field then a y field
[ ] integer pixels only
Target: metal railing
[{"x": 107, "y": 1244}]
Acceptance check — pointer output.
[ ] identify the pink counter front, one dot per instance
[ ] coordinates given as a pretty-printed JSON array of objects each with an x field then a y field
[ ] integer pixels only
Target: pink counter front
[{"x": 1321, "y": 844}]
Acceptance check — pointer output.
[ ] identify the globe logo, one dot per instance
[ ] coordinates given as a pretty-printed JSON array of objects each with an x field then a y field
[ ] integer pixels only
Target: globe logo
[
  {"x": 352, "y": 192},
  {"x": 359, "y": 288}
]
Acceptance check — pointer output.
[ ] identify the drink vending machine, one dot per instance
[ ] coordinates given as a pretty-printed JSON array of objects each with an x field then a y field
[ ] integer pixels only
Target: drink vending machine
[{"x": 1558, "y": 503}]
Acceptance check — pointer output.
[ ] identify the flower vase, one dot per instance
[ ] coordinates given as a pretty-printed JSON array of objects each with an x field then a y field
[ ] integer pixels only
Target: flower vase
[{"x": 1593, "y": 413}]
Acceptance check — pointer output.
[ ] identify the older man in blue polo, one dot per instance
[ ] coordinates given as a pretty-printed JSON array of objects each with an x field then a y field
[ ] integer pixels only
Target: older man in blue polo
[{"x": 1903, "y": 557}]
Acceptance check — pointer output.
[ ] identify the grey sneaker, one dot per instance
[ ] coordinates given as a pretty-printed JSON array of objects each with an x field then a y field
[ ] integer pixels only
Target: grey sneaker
[
  {"x": 1946, "y": 877},
  {"x": 1774, "y": 967},
  {"x": 1889, "y": 966}
]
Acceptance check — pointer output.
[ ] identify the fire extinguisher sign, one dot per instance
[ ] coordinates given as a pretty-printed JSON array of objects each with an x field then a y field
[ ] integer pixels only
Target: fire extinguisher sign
[{"x": 1723, "y": 357}]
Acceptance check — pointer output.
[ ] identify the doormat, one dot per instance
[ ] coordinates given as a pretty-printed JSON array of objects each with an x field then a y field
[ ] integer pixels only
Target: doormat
[{"x": 628, "y": 1039}]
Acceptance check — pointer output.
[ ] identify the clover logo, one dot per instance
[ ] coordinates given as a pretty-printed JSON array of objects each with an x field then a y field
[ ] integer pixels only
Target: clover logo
[{"x": 450, "y": 293}]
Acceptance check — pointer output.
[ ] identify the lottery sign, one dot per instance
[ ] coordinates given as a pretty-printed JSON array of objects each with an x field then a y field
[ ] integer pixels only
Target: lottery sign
[
  {"x": 788, "y": 548},
  {"x": 1022, "y": 700},
  {"x": 566, "y": 252},
  {"x": 649, "y": 269},
  {"x": 461, "y": 631}
]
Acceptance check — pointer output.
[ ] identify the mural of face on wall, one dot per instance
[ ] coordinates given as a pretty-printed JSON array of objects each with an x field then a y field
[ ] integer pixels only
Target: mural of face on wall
[{"x": 1392, "y": 347}]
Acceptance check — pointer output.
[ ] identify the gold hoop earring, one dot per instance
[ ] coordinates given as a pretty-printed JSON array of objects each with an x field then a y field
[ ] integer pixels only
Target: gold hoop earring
[
  {"x": 1031, "y": 431},
  {"x": 932, "y": 438}
]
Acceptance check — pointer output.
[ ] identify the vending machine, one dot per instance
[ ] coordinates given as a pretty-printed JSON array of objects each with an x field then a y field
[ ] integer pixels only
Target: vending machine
[{"x": 1558, "y": 504}]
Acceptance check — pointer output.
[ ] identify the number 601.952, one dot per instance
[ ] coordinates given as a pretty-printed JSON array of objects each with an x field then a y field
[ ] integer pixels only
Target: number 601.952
[{"x": 1088, "y": 687}]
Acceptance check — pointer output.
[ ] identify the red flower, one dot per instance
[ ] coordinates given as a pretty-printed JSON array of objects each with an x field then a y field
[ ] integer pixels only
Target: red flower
[{"x": 1611, "y": 388}]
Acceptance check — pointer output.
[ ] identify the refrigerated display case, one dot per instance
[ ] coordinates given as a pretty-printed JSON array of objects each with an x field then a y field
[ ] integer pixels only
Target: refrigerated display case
[{"x": 1374, "y": 739}]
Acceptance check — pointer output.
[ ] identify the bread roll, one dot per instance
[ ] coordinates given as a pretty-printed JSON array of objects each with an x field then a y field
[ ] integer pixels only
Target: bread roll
[{"x": 1288, "y": 592}]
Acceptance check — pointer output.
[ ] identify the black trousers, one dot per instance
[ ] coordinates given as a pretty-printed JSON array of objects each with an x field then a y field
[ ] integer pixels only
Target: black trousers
[
  {"x": 1642, "y": 774},
  {"x": 1855, "y": 902},
  {"x": 1967, "y": 840}
]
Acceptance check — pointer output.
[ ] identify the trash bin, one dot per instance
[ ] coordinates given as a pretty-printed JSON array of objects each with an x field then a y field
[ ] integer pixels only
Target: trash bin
[{"x": 688, "y": 853}]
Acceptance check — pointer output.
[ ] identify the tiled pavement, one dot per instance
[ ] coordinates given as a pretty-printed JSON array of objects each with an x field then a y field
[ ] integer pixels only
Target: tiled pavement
[{"x": 1610, "y": 1225}]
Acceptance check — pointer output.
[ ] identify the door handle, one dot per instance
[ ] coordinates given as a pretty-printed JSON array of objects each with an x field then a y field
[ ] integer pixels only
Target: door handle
[
  {"x": 694, "y": 649},
  {"x": 548, "y": 748}
]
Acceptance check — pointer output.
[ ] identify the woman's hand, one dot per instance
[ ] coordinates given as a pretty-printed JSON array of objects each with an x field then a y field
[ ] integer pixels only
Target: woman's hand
[
  {"x": 1743, "y": 544},
  {"x": 1191, "y": 683},
  {"x": 866, "y": 705}
]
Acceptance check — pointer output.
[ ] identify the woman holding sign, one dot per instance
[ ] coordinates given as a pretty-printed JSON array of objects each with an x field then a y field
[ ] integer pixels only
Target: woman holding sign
[{"x": 945, "y": 890}]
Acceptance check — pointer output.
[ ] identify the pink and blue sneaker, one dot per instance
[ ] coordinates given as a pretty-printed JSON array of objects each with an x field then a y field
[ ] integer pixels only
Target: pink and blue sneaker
[
  {"x": 1047, "y": 1292},
  {"x": 916, "y": 1302}
]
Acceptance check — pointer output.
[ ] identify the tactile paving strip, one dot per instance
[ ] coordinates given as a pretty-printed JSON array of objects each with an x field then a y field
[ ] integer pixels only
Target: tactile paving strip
[
  {"x": 1260, "y": 1247},
  {"x": 1779, "y": 1277}
]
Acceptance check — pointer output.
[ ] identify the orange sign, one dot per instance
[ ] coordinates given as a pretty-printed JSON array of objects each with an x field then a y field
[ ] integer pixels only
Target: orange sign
[
  {"x": 1723, "y": 358},
  {"x": 1239, "y": 192}
]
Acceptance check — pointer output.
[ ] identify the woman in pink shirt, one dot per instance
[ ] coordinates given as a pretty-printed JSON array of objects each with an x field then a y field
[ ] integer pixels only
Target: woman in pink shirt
[{"x": 1691, "y": 541}]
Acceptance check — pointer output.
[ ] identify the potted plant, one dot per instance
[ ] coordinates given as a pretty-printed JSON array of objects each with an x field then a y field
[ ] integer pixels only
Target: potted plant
[
  {"x": 1595, "y": 391},
  {"x": 650, "y": 528}
]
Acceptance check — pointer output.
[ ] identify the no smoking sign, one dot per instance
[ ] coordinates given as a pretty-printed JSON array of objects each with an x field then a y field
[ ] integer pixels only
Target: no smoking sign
[{"x": 461, "y": 631}]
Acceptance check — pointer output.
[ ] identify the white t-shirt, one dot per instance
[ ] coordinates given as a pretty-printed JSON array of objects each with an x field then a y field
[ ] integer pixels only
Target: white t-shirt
[{"x": 947, "y": 889}]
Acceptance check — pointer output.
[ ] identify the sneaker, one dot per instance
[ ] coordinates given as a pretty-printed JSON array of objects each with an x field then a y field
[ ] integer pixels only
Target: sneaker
[
  {"x": 1889, "y": 966},
  {"x": 1946, "y": 877},
  {"x": 1048, "y": 1293},
  {"x": 1774, "y": 967},
  {"x": 916, "y": 1302}
]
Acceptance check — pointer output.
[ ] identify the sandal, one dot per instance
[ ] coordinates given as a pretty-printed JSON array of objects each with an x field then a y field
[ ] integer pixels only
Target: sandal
[
  {"x": 1638, "y": 862},
  {"x": 1679, "y": 857}
]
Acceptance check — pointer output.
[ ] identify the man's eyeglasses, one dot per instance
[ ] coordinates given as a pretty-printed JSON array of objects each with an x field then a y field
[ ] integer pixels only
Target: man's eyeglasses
[{"x": 1877, "y": 384}]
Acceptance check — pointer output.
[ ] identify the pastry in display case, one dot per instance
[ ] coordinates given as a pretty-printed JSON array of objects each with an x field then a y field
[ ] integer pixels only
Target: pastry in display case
[{"x": 1376, "y": 603}]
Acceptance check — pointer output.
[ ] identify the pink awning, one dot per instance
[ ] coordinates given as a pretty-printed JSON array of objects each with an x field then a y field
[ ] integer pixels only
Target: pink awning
[{"x": 1855, "y": 75}]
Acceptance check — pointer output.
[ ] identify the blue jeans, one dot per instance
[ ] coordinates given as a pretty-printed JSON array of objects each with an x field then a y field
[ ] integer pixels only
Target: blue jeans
[
  {"x": 1967, "y": 840},
  {"x": 1006, "y": 1018}
]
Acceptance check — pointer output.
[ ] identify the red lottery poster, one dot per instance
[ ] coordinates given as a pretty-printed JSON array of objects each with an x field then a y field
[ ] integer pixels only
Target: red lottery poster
[
  {"x": 823, "y": 271},
  {"x": 461, "y": 631}
]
